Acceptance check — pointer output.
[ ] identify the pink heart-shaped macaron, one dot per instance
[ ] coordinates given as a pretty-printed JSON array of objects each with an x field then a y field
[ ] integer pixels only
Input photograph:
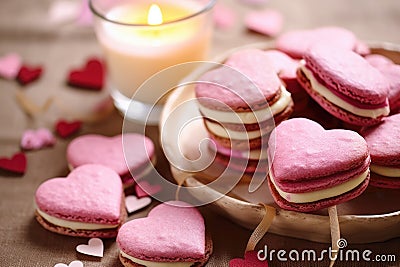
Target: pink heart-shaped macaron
[
  {"x": 173, "y": 230},
  {"x": 250, "y": 259},
  {"x": 36, "y": 139},
  {"x": 268, "y": 22},
  {"x": 90, "y": 76},
  {"x": 144, "y": 189},
  {"x": 94, "y": 248},
  {"x": 10, "y": 65},
  {"x": 90, "y": 194},
  {"x": 72, "y": 264},
  {"x": 300, "y": 148},
  {"x": 121, "y": 153},
  {"x": 16, "y": 164},
  {"x": 66, "y": 128}
]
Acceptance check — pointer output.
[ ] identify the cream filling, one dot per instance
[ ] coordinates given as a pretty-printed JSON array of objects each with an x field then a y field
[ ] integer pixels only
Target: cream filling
[
  {"x": 320, "y": 194},
  {"x": 331, "y": 97},
  {"x": 385, "y": 171},
  {"x": 257, "y": 154},
  {"x": 74, "y": 225},
  {"x": 219, "y": 130},
  {"x": 156, "y": 264},
  {"x": 255, "y": 116}
]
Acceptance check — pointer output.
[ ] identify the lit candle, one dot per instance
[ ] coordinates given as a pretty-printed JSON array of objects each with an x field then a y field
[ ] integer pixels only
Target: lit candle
[{"x": 140, "y": 39}]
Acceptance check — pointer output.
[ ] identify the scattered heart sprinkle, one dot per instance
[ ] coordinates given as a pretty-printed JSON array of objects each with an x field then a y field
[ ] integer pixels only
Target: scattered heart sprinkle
[
  {"x": 250, "y": 259},
  {"x": 133, "y": 203},
  {"x": 66, "y": 129},
  {"x": 10, "y": 65},
  {"x": 28, "y": 74},
  {"x": 90, "y": 76},
  {"x": 16, "y": 164},
  {"x": 38, "y": 139},
  {"x": 94, "y": 248},
  {"x": 72, "y": 264}
]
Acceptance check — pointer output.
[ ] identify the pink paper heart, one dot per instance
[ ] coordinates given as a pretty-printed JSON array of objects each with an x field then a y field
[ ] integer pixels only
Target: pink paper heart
[
  {"x": 94, "y": 248},
  {"x": 90, "y": 193},
  {"x": 144, "y": 189},
  {"x": 10, "y": 65},
  {"x": 133, "y": 203},
  {"x": 250, "y": 259},
  {"x": 268, "y": 22},
  {"x": 40, "y": 138},
  {"x": 172, "y": 230},
  {"x": 72, "y": 264},
  {"x": 85, "y": 17}
]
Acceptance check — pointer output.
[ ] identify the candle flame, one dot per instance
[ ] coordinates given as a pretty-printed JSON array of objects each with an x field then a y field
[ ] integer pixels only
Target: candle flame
[{"x": 154, "y": 16}]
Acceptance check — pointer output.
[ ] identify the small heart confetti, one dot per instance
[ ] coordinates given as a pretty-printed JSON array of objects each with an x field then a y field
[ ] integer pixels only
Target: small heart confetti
[
  {"x": 94, "y": 248},
  {"x": 268, "y": 22},
  {"x": 66, "y": 129},
  {"x": 133, "y": 203},
  {"x": 91, "y": 76},
  {"x": 144, "y": 189},
  {"x": 250, "y": 259},
  {"x": 10, "y": 65},
  {"x": 38, "y": 139},
  {"x": 72, "y": 264},
  {"x": 16, "y": 164},
  {"x": 28, "y": 74}
]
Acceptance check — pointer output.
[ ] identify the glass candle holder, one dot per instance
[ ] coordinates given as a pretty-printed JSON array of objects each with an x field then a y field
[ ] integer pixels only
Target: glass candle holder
[{"x": 140, "y": 38}]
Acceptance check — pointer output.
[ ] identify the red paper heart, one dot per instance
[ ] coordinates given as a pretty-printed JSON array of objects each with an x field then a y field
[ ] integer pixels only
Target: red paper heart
[
  {"x": 144, "y": 189},
  {"x": 66, "y": 129},
  {"x": 16, "y": 164},
  {"x": 91, "y": 76},
  {"x": 29, "y": 74},
  {"x": 250, "y": 260}
]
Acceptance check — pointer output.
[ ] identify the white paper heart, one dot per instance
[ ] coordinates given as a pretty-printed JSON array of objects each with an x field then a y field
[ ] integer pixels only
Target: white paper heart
[
  {"x": 94, "y": 247},
  {"x": 63, "y": 11},
  {"x": 72, "y": 264},
  {"x": 133, "y": 203}
]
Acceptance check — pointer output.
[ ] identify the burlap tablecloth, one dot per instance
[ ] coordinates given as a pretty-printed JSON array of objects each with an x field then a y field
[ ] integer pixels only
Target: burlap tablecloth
[{"x": 25, "y": 30}]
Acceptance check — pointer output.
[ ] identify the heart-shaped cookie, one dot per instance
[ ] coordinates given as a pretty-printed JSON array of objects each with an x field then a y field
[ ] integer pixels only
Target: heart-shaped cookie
[
  {"x": 16, "y": 164},
  {"x": 36, "y": 139},
  {"x": 94, "y": 248},
  {"x": 133, "y": 203},
  {"x": 72, "y": 264},
  {"x": 91, "y": 76},
  {"x": 313, "y": 168},
  {"x": 10, "y": 65},
  {"x": 268, "y": 21},
  {"x": 66, "y": 128},
  {"x": 173, "y": 231},
  {"x": 88, "y": 202},
  {"x": 250, "y": 259},
  {"x": 121, "y": 153},
  {"x": 296, "y": 43},
  {"x": 28, "y": 74}
]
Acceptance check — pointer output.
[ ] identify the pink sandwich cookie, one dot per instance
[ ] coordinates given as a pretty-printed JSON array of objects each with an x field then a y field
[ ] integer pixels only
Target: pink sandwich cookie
[
  {"x": 89, "y": 202},
  {"x": 131, "y": 155},
  {"x": 241, "y": 102},
  {"x": 313, "y": 168},
  {"x": 173, "y": 234},
  {"x": 384, "y": 146},
  {"x": 391, "y": 71},
  {"x": 344, "y": 84},
  {"x": 297, "y": 43}
]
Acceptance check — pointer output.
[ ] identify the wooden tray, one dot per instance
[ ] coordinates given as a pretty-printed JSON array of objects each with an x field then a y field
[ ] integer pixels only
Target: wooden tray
[{"x": 372, "y": 217}]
